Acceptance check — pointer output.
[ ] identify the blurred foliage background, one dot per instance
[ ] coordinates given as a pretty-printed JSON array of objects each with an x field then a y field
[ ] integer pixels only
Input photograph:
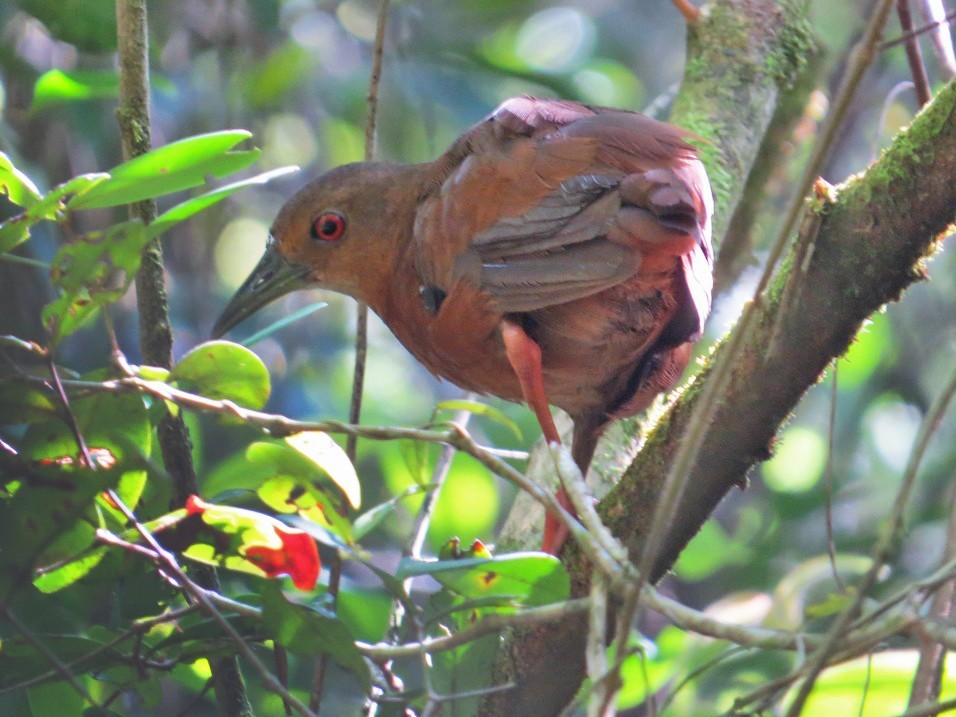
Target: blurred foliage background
[{"x": 295, "y": 73}]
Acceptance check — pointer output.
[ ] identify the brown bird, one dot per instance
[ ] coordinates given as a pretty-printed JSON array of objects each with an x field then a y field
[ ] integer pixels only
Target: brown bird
[{"x": 556, "y": 252}]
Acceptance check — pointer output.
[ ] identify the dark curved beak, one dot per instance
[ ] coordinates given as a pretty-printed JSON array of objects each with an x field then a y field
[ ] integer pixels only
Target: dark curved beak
[{"x": 273, "y": 277}]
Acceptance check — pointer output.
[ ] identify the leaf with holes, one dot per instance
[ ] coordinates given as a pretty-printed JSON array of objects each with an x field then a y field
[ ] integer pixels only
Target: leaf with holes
[
  {"x": 298, "y": 483},
  {"x": 91, "y": 272}
]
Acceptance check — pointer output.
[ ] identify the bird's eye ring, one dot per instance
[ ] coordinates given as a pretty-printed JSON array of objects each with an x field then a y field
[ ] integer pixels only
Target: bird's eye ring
[{"x": 329, "y": 226}]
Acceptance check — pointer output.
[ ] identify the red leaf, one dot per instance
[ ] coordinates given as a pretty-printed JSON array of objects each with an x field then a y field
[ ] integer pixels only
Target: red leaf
[{"x": 298, "y": 558}]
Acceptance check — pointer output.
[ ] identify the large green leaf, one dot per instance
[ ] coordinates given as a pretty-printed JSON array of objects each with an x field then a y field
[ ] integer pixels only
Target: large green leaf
[
  {"x": 172, "y": 168},
  {"x": 48, "y": 502},
  {"x": 307, "y": 632},
  {"x": 117, "y": 433},
  {"x": 330, "y": 457},
  {"x": 528, "y": 578},
  {"x": 224, "y": 370}
]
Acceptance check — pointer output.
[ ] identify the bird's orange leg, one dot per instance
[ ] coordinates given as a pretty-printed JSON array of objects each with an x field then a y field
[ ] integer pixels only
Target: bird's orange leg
[
  {"x": 524, "y": 355},
  {"x": 689, "y": 12}
]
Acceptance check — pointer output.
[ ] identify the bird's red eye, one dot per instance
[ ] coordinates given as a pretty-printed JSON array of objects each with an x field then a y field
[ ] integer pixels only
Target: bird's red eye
[{"x": 328, "y": 227}]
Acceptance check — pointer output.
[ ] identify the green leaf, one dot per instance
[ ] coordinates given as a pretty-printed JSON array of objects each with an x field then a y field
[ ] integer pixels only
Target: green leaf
[
  {"x": 55, "y": 698},
  {"x": 330, "y": 457},
  {"x": 173, "y": 168},
  {"x": 466, "y": 669},
  {"x": 833, "y": 603},
  {"x": 51, "y": 580},
  {"x": 21, "y": 403},
  {"x": 16, "y": 230},
  {"x": 419, "y": 458},
  {"x": 529, "y": 578},
  {"x": 117, "y": 433},
  {"x": 16, "y": 185},
  {"x": 224, "y": 370},
  {"x": 41, "y": 510},
  {"x": 372, "y": 518},
  {"x": 283, "y": 322},
  {"x": 53, "y": 201},
  {"x": 297, "y": 484},
  {"x": 92, "y": 272},
  {"x": 480, "y": 409},
  {"x": 57, "y": 87},
  {"x": 190, "y": 207},
  {"x": 307, "y": 632}
]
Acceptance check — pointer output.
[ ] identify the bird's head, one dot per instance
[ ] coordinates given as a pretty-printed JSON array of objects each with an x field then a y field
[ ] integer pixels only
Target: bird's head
[{"x": 339, "y": 232}]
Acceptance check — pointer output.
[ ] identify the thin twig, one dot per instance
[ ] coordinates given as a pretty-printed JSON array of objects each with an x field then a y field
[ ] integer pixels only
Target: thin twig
[
  {"x": 929, "y": 672},
  {"x": 69, "y": 415},
  {"x": 913, "y": 55},
  {"x": 883, "y": 547},
  {"x": 935, "y": 12},
  {"x": 603, "y": 693},
  {"x": 361, "y": 326},
  {"x": 828, "y": 479},
  {"x": 61, "y": 668},
  {"x": 278, "y": 425},
  {"x": 917, "y": 32}
]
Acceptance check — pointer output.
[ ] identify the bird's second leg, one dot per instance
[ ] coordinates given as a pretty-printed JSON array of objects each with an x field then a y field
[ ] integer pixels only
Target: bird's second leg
[{"x": 524, "y": 355}]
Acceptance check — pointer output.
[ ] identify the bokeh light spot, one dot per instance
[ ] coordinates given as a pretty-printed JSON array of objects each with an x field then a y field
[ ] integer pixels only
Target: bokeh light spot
[
  {"x": 798, "y": 462},
  {"x": 238, "y": 249},
  {"x": 288, "y": 139},
  {"x": 556, "y": 39},
  {"x": 892, "y": 425}
]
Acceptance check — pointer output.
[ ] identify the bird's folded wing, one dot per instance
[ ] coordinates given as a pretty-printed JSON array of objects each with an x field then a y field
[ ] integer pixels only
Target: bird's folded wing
[{"x": 548, "y": 201}]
